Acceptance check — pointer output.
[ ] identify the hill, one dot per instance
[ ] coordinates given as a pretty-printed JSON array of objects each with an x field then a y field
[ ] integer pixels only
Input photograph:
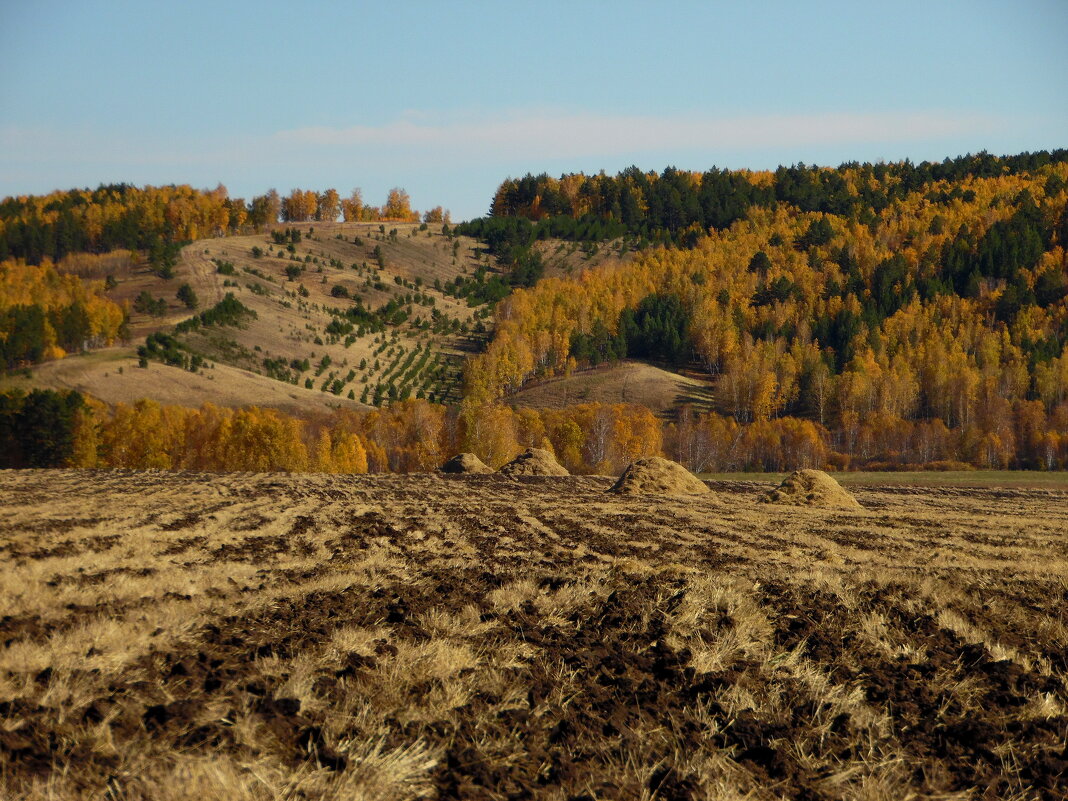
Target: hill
[
  {"x": 176, "y": 635},
  {"x": 113, "y": 376},
  {"x": 891, "y": 305},
  {"x": 406, "y": 297},
  {"x": 893, "y": 314},
  {"x": 660, "y": 390},
  {"x": 337, "y": 309},
  {"x": 325, "y": 305}
]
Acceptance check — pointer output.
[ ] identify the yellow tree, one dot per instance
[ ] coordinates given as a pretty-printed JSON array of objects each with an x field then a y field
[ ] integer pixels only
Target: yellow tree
[
  {"x": 398, "y": 205},
  {"x": 86, "y": 435},
  {"x": 348, "y": 453},
  {"x": 352, "y": 206},
  {"x": 323, "y": 461},
  {"x": 1051, "y": 380},
  {"x": 530, "y": 429},
  {"x": 339, "y": 451},
  {"x": 489, "y": 432},
  {"x": 294, "y": 208},
  {"x": 636, "y": 434},
  {"x": 309, "y": 204},
  {"x": 566, "y": 437},
  {"x": 329, "y": 206},
  {"x": 422, "y": 424},
  {"x": 263, "y": 440},
  {"x": 137, "y": 437}
]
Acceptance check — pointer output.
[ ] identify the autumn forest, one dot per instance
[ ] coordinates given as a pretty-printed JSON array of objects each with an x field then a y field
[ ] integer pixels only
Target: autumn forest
[{"x": 869, "y": 316}]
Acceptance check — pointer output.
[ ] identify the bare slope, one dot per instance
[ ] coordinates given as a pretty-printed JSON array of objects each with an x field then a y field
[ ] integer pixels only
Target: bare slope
[
  {"x": 169, "y": 636},
  {"x": 288, "y": 342},
  {"x": 627, "y": 382},
  {"x": 574, "y": 258},
  {"x": 113, "y": 376}
]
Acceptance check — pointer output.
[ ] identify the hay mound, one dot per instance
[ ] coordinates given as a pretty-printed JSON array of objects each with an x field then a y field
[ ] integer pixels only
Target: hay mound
[
  {"x": 811, "y": 488},
  {"x": 656, "y": 476},
  {"x": 465, "y": 463},
  {"x": 534, "y": 462}
]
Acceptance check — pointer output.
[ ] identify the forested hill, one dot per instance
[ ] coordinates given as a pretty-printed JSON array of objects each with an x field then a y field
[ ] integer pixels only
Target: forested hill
[
  {"x": 677, "y": 207},
  {"x": 889, "y": 293},
  {"x": 156, "y": 219}
]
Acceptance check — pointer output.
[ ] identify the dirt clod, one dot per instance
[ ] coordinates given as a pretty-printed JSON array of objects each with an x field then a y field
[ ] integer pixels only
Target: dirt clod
[
  {"x": 465, "y": 463},
  {"x": 811, "y": 488},
  {"x": 657, "y": 476},
  {"x": 534, "y": 462}
]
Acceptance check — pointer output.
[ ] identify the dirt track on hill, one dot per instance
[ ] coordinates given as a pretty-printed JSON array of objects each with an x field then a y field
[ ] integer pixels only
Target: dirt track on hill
[{"x": 246, "y": 636}]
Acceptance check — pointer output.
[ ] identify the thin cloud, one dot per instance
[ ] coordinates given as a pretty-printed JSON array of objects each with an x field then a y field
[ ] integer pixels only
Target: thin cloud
[
  {"x": 457, "y": 160},
  {"x": 560, "y": 135}
]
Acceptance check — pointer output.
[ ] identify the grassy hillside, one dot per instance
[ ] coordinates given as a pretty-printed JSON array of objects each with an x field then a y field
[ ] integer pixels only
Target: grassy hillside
[
  {"x": 660, "y": 390},
  {"x": 415, "y": 346},
  {"x": 113, "y": 376},
  {"x": 563, "y": 258}
]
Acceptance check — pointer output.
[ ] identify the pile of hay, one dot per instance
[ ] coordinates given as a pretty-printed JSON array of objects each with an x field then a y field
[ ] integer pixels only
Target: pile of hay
[
  {"x": 811, "y": 488},
  {"x": 534, "y": 462},
  {"x": 465, "y": 463},
  {"x": 656, "y": 476}
]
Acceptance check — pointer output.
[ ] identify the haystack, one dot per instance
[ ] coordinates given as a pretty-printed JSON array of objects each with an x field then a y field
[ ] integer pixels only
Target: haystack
[
  {"x": 656, "y": 476},
  {"x": 465, "y": 463},
  {"x": 811, "y": 488},
  {"x": 534, "y": 462}
]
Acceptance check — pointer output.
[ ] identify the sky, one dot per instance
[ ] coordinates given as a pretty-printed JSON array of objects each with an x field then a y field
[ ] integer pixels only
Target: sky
[{"x": 448, "y": 99}]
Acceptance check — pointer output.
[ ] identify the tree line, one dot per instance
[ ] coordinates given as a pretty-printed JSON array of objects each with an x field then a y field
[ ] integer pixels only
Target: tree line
[
  {"x": 676, "y": 206},
  {"x": 151, "y": 218},
  {"x": 46, "y": 428}
]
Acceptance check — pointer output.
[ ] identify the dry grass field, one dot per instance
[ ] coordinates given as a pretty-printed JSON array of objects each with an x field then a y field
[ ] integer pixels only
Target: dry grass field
[
  {"x": 245, "y": 636},
  {"x": 113, "y": 375}
]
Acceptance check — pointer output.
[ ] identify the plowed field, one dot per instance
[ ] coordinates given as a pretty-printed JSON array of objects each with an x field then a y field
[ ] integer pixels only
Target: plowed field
[{"x": 180, "y": 635}]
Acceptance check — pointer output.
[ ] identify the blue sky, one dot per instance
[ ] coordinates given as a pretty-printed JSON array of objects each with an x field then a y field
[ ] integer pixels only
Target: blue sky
[{"x": 447, "y": 99}]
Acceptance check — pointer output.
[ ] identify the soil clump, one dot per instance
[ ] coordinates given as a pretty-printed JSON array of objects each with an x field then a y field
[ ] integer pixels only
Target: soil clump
[
  {"x": 465, "y": 463},
  {"x": 811, "y": 488},
  {"x": 657, "y": 476},
  {"x": 534, "y": 462}
]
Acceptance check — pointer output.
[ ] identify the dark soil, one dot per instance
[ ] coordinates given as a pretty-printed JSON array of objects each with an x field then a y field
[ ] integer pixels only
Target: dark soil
[{"x": 588, "y": 630}]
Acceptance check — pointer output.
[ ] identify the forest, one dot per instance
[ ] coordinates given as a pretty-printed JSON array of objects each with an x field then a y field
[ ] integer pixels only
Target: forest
[
  {"x": 46, "y": 312},
  {"x": 677, "y": 207},
  {"x": 64, "y": 429},
  {"x": 864, "y": 316},
  {"x": 154, "y": 219},
  {"x": 875, "y": 301},
  {"x": 46, "y": 428}
]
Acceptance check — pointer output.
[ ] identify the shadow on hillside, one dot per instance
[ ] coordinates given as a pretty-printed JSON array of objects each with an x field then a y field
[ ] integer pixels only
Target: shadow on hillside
[
  {"x": 468, "y": 344},
  {"x": 701, "y": 398}
]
